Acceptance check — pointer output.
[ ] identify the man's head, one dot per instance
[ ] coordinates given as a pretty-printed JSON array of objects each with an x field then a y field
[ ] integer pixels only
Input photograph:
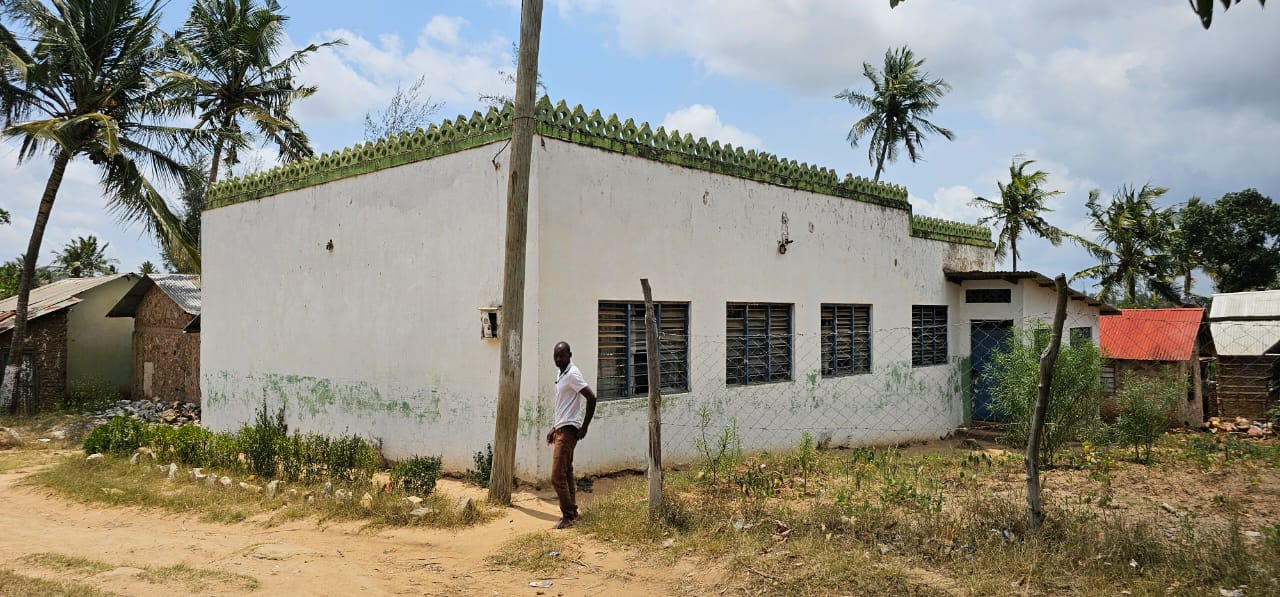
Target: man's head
[{"x": 562, "y": 354}]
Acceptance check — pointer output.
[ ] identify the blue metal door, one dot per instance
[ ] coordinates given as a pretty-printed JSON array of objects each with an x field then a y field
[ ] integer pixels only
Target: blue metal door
[{"x": 985, "y": 337}]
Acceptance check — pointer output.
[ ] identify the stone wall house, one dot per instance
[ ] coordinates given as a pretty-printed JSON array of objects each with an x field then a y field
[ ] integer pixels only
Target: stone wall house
[
  {"x": 78, "y": 351},
  {"x": 1154, "y": 343},
  {"x": 166, "y": 352},
  {"x": 373, "y": 302}
]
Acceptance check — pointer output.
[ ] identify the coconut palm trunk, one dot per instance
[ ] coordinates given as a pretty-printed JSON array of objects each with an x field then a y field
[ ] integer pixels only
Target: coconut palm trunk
[{"x": 18, "y": 345}]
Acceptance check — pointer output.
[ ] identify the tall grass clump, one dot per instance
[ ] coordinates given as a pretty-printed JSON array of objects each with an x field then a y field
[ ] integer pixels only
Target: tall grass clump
[{"x": 1145, "y": 406}]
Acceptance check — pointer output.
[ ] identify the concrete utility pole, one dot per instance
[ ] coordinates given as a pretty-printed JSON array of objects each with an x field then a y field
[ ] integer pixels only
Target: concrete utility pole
[{"x": 504, "y": 433}]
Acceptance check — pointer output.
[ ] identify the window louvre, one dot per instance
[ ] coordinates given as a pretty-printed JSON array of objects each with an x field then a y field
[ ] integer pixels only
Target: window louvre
[
  {"x": 988, "y": 295},
  {"x": 928, "y": 335},
  {"x": 623, "y": 361},
  {"x": 846, "y": 339},
  {"x": 758, "y": 343}
]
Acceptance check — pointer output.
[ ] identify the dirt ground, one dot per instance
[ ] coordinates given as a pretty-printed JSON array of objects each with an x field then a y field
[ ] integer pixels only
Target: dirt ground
[{"x": 306, "y": 558}]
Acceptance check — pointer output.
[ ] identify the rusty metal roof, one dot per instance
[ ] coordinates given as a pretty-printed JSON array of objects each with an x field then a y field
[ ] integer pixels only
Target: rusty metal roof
[
  {"x": 50, "y": 298},
  {"x": 1150, "y": 334},
  {"x": 182, "y": 289},
  {"x": 1246, "y": 323}
]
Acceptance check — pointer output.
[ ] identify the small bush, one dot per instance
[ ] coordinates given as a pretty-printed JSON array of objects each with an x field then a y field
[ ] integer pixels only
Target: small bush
[
  {"x": 350, "y": 459},
  {"x": 1145, "y": 405},
  {"x": 263, "y": 439},
  {"x": 417, "y": 475},
  {"x": 119, "y": 436},
  {"x": 191, "y": 445},
  {"x": 484, "y": 467},
  {"x": 1073, "y": 399}
]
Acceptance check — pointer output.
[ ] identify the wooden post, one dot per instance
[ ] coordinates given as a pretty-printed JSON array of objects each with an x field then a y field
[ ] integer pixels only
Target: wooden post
[
  {"x": 1035, "y": 506},
  {"x": 522, "y": 129},
  {"x": 653, "y": 363}
]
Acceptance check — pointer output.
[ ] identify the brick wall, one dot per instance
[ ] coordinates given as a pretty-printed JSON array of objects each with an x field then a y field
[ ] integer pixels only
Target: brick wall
[
  {"x": 48, "y": 336},
  {"x": 166, "y": 361}
]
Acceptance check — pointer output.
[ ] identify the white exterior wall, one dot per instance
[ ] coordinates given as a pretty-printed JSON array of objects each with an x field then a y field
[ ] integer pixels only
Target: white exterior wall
[
  {"x": 1028, "y": 301},
  {"x": 608, "y": 220},
  {"x": 379, "y": 336},
  {"x": 100, "y": 348}
]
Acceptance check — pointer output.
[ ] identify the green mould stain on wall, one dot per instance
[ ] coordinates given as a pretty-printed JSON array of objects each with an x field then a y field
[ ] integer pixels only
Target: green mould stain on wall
[
  {"x": 576, "y": 125},
  {"x": 315, "y": 397}
]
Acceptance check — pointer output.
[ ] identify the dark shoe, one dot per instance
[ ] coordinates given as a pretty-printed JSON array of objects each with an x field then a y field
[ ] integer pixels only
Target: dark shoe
[{"x": 564, "y": 523}]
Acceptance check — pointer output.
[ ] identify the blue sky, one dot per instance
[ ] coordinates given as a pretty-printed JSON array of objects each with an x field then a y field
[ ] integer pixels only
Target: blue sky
[{"x": 1100, "y": 94}]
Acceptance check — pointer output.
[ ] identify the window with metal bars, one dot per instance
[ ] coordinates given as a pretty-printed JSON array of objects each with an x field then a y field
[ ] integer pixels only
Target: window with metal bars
[
  {"x": 623, "y": 358},
  {"x": 928, "y": 335},
  {"x": 757, "y": 343},
  {"x": 846, "y": 339}
]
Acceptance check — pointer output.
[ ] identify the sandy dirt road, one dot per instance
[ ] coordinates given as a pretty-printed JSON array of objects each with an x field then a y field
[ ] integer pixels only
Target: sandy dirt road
[{"x": 310, "y": 558}]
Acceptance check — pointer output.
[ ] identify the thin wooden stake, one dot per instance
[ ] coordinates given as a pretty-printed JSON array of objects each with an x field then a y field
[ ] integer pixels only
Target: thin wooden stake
[{"x": 653, "y": 361}]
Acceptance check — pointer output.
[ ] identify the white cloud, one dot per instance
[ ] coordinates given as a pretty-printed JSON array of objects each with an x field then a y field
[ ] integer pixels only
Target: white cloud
[
  {"x": 704, "y": 121},
  {"x": 949, "y": 203}
]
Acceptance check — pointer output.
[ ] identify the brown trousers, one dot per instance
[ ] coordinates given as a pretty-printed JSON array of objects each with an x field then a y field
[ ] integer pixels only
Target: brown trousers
[{"x": 566, "y": 438}]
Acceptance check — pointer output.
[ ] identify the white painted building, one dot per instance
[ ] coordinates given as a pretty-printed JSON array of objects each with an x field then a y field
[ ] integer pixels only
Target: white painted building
[{"x": 353, "y": 288}]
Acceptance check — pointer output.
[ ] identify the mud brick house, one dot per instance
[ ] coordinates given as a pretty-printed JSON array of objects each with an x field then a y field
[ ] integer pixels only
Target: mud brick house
[
  {"x": 74, "y": 346},
  {"x": 1246, "y": 338},
  {"x": 373, "y": 302},
  {"x": 1154, "y": 343},
  {"x": 166, "y": 336}
]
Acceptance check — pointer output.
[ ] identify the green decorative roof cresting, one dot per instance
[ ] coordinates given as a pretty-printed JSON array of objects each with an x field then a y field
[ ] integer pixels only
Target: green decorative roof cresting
[
  {"x": 576, "y": 125},
  {"x": 954, "y": 232}
]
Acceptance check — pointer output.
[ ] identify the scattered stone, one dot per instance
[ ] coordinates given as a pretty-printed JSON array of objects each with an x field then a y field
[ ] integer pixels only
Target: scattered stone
[
  {"x": 58, "y": 433},
  {"x": 666, "y": 544},
  {"x": 174, "y": 413},
  {"x": 970, "y": 443},
  {"x": 211, "y": 480},
  {"x": 141, "y": 453},
  {"x": 1255, "y": 432},
  {"x": 112, "y": 491},
  {"x": 225, "y": 481},
  {"x": 250, "y": 487},
  {"x": 413, "y": 501},
  {"x": 464, "y": 506},
  {"x": 198, "y": 474},
  {"x": 44, "y": 440},
  {"x": 420, "y": 512},
  {"x": 309, "y": 497},
  {"x": 171, "y": 471},
  {"x": 1169, "y": 509},
  {"x": 1252, "y": 534},
  {"x": 342, "y": 495},
  {"x": 292, "y": 494},
  {"x": 9, "y": 438},
  {"x": 272, "y": 488},
  {"x": 95, "y": 458},
  {"x": 366, "y": 501},
  {"x": 327, "y": 492}
]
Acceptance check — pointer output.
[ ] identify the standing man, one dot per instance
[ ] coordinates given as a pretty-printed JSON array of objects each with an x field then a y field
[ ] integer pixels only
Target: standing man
[{"x": 570, "y": 427}]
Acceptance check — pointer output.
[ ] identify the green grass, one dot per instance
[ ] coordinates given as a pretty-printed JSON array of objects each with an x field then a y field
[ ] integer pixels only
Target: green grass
[
  {"x": 885, "y": 522},
  {"x": 533, "y": 553},
  {"x": 13, "y": 584},
  {"x": 194, "y": 579},
  {"x": 113, "y": 482}
]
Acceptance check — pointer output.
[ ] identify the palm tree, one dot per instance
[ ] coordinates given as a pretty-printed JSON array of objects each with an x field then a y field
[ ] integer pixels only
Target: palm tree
[
  {"x": 11, "y": 272},
  {"x": 1185, "y": 254},
  {"x": 900, "y": 99},
  {"x": 83, "y": 258},
  {"x": 147, "y": 268},
  {"x": 1019, "y": 208},
  {"x": 1133, "y": 236},
  {"x": 224, "y": 68},
  {"x": 85, "y": 90}
]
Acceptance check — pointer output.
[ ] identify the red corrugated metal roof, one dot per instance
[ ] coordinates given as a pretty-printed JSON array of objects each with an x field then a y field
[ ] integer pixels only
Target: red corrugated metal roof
[{"x": 1150, "y": 334}]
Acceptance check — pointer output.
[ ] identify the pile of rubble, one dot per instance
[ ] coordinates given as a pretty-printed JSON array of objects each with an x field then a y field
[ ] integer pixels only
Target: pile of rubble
[
  {"x": 1240, "y": 425},
  {"x": 175, "y": 414}
]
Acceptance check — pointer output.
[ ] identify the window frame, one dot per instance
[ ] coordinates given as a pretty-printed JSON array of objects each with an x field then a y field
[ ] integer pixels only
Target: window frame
[
  {"x": 858, "y": 337},
  {"x": 739, "y": 363},
  {"x": 1076, "y": 334},
  {"x": 634, "y": 343},
  {"x": 935, "y": 332}
]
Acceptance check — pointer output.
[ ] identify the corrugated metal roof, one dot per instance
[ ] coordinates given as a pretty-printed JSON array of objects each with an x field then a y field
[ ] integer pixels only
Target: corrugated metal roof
[
  {"x": 1150, "y": 334},
  {"x": 50, "y": 298},
  {"x": 182, "y": 289},
  {"x": 1246, "y": 323}
]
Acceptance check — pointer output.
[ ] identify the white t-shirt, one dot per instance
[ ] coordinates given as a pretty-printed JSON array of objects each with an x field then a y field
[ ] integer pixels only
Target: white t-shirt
[{"x": 569, "y": 397}]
